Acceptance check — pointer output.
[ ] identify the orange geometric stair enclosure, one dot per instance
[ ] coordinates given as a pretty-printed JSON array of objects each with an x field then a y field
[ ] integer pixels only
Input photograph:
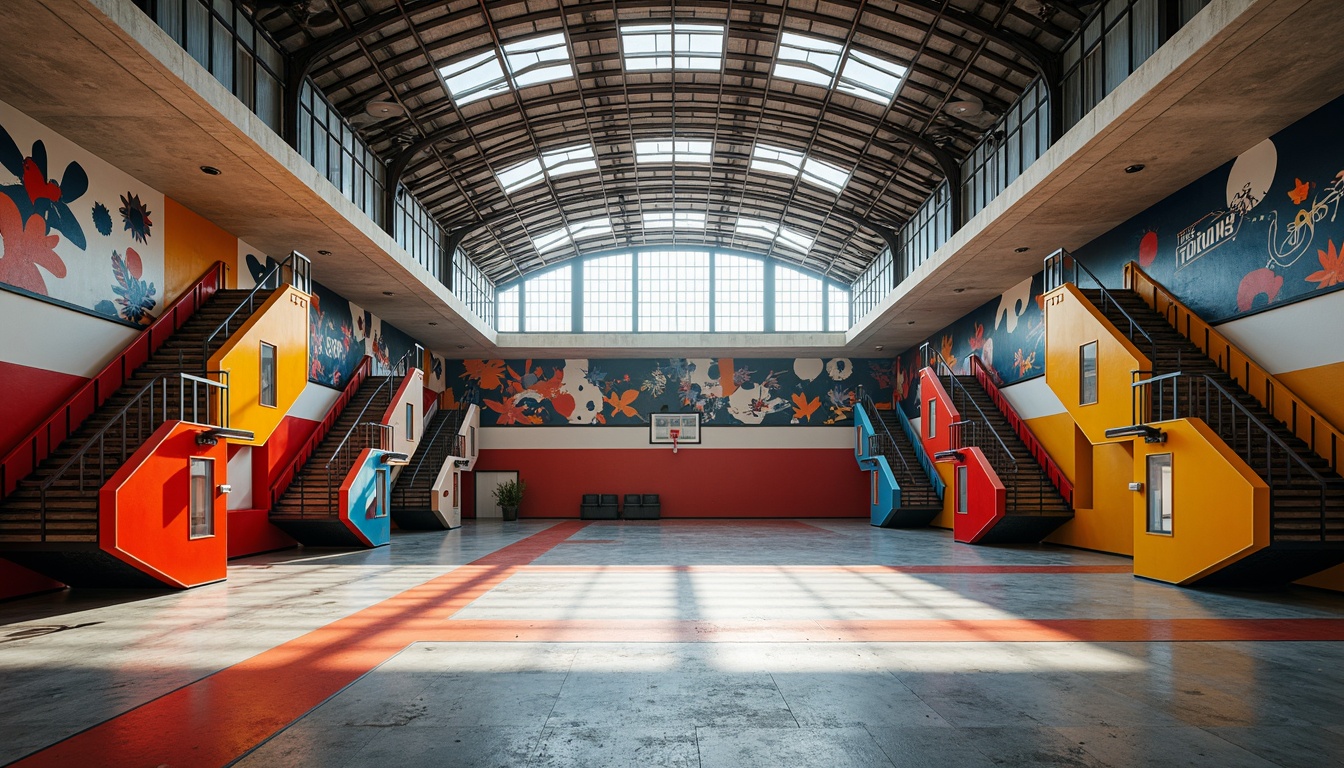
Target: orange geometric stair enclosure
[
  {"x": 1239, "y": 475},
  {"x": 120, "y": 486},
  {"x": 1006, "y": 488},
  {"x": 337, "y": 490}
]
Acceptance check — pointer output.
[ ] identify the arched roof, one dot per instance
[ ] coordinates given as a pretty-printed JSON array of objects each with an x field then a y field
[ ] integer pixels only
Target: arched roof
[{"x": 449, "y": 154}]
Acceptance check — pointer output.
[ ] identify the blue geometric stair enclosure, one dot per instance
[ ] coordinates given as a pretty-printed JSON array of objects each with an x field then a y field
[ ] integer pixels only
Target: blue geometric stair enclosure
[{"x": 904, "y": 489}]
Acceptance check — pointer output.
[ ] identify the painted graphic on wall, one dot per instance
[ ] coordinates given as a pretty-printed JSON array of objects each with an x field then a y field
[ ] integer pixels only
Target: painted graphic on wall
[
  {"x": 342, "y": 333},
  {"x": 725, "y": 391},
  {"x": 1007, "y": 334},
  {"x": 1259, "y": 231},
  {"x": 73, "y": 229}
]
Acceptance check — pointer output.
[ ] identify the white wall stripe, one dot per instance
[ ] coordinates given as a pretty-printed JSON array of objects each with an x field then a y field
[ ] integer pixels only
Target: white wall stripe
[
  {"x": 314, "y": 402},
  {"x": 1293, "y": 337},
  {"x": 1033, "y": 398},
  {"x": 53, "y": 338}
]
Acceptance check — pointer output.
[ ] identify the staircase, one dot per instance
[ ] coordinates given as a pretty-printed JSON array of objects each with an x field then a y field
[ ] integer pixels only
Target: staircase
[
  {"x": 921, "y": 499},
  {"x": 309, "y": 507},
  {"x": 1035, "y": 489},
  {"x": 413, "y": 493},
  {"x": 50, "y": 521},
  {"x": 1306, "y": 493}
]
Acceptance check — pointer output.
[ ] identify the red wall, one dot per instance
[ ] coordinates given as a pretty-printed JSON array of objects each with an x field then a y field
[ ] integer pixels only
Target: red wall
[
  {"x": 31, "y": 395},
  {"x": 15, "y": 581},
  {"x": 695, "y": 482}
]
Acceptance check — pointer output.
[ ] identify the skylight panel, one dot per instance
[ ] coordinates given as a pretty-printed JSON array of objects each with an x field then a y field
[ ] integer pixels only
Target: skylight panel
[
  {"x": 824, "y": 174},
  {"x": 807, "y": 59},
  {"x": 519, "y": 176},
  {"x": 673, "y": 151},
  {"x": 776, "y": 160},
  {"x": 538, "y": 60},
  {"x": 869, "y": 77},
  {"x": 579, "y": 229},
  {"x": 575, "y": 159},
  {"x": 768, "y": 230},
  {"x": 474, "y": 78},
  {"x": 674, "y": 220},
  {"x": 669, "y": 46}
]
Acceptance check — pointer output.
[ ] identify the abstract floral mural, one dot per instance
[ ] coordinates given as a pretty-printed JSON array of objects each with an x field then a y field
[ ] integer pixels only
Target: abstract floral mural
[
  {"x": 341, "y": 334},
  {"x": 725, "y": 391},
  {"x": 57, "y": 239}
]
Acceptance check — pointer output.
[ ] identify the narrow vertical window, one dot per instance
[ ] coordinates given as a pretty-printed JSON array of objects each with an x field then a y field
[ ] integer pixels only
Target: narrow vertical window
[
  {"x": 1087, "y": 373},
  {"x": 410, "y": 421},
  {"x": 961, "y": 489},
  {"x": 1159, "y": 493},
  {"x": 267, "y": 375},
  {"x": 933, "y": 419},
  {"x": 875, "y": 488},
  {"x": 380, "y": 494},
  {"x": 202, "y": 501}
]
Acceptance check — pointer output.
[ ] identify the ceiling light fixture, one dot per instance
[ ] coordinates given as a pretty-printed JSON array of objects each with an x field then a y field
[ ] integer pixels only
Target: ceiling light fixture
[
  {"x": 384, "y": 109},
  {"x": 1135, "y": 168},
  {"x": 431, "y": 322},
  {"x": 878, "y": 347},
  {"x": 388, "y": 293},
  {"x": 324, "y": 253},
  {"x": 210, "y": 170},
  {"x": 958, "y": 290},
  {"x": 1022, "y": 249}
]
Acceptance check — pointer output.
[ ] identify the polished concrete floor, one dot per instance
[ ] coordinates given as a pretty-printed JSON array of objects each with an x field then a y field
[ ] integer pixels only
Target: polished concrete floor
[{"x": 679, "y": 643}]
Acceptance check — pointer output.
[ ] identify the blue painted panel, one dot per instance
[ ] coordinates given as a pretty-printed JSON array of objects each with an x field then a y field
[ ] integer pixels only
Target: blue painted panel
[
  {"x": 888, "y": 492},
  {"x": 360, "y": 513}
]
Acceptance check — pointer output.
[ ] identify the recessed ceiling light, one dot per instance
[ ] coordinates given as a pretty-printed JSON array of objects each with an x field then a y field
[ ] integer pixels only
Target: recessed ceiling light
[
  {"x": 324, "y": 253},
  {"x": 210, "y": 170},
  {"x": 461, "y": 346},
  {"x": 431, "y": 322},
  {"x": 388, "y": 293},
  {"x": 384, "y": 109},
  {"x": 878, "y": 347},
  {"x": 958, "y": 290},
  {"x": 910, "y": 322},
  {"x": 1135, "y": 168},
  {"x": 1023, "y": 249}
]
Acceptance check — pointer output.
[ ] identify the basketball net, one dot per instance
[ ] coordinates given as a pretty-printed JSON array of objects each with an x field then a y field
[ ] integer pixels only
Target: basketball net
[{"x": 674, "y": 434}]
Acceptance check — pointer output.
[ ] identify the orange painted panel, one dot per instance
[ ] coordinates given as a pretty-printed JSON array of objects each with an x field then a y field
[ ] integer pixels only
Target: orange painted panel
[
  {"x": 144, "y": 519},
  {"x": 191, "y": 243},
  {"x": 1220, "y": 508}
]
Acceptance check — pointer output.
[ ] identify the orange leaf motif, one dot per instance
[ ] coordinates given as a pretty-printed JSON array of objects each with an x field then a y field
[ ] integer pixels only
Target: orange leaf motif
[
  {"x": 488, "y": 373},
  {"x": 1299, "y": 192},
  {"x": 1332, "y": 267},
  {"x": 805, "y": 409},
  {"x": 620, "y": 404}
]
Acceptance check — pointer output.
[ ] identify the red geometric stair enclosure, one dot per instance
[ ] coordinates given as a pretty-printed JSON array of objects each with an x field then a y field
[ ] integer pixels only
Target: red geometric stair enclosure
[
  {"x": 99, "y": 494},
  {"x": 1005, "y": 486}
]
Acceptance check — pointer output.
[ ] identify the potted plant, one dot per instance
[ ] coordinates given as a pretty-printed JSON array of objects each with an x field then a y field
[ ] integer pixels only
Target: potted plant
[{"x": 509, "y": 496}]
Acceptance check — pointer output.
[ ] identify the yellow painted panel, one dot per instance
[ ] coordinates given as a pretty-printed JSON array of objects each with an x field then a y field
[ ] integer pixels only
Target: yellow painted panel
[
  {"x": 1220, "y": 506},
  {"x": 1322, "y": 388},
  {"x": 948, "y": 515},
  {"x": 1070, "y": 322},
  {"x": 1106, "y": 524},
  {"x": 191, "y": 244},
  {"x": 282, "y": 322}
]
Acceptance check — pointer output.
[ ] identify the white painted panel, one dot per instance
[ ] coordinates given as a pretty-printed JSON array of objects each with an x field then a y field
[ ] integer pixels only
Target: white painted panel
[
  {"x": 240, "y": 479},
  {"x": 1033, "y": 398},
  {"x": 561, "y": 438},
  {"x": 314, "y": 402},
  {"x": 1293, "y": 337},
  {"x": 42, "y": 335}
]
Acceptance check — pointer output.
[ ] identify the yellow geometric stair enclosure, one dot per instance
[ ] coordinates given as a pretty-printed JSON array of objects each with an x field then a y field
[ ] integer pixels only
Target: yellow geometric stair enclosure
[{"x": 1235, "y": 477}]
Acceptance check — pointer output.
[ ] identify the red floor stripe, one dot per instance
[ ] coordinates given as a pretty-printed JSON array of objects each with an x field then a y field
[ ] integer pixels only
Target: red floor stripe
[
  {"x": 803, "y": 569},
  {"x": 216, "y": 719},
  {"x": 890, "y": 631}
]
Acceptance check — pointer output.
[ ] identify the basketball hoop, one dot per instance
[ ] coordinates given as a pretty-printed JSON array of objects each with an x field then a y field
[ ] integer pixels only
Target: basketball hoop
[{"x": 674, "y": 434}]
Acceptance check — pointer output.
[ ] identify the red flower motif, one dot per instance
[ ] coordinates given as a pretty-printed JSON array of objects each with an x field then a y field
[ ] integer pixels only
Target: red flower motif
[{"x": 25, "y": 246}]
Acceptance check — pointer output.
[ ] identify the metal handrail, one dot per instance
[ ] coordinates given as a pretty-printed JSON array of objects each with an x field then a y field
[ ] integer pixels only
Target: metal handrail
[
  {"x": 989, "y": 379},
  {"x": 882, "y": 436},
  {"x": 955, "y": 385},
  {"x": 154, "y": 397},
  {"x": 300, "y": 276},
  {"x": 1058, "y": 266},
  {"x": 1203, "y": 383},
  {"x": 422, "y": 456}
]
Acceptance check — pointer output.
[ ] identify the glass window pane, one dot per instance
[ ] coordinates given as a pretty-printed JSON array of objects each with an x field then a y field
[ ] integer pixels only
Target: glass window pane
[
  {"x": 797, "y": 300},
  {"x": 506, "y": 302},
  {"x": 201, "y": 498},
  {"x": 838, "y": 309},
  {"x": 739, "y": 294},
  {"x": 1159, "y": 481},
  {"x": 548, "y": 304},
  {"x": 674, "y": 291},
  {"x": 608, "y": 294},
  {"x": 1087, "y": 373}
]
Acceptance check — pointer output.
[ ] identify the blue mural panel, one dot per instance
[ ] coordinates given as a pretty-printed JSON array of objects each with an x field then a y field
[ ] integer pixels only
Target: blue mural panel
[
  {"x": 726, "y": 391},
  {"x": 341, "y": 334},
  {"x": 1261, "y": 230}
]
